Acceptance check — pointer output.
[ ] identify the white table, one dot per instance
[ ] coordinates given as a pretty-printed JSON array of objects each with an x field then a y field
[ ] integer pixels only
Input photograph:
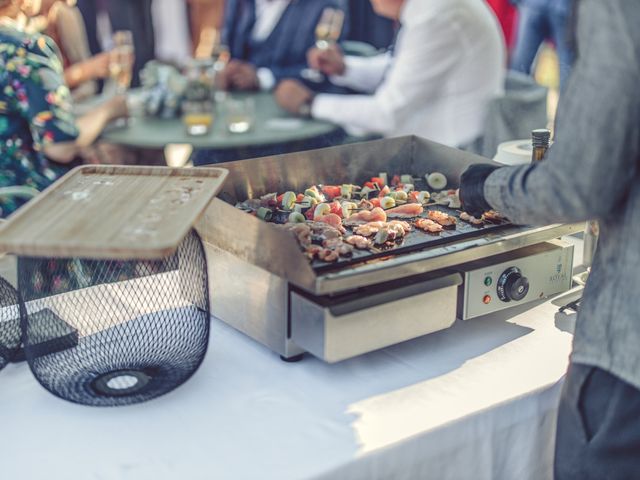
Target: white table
[{"x": 477, "y": 401}]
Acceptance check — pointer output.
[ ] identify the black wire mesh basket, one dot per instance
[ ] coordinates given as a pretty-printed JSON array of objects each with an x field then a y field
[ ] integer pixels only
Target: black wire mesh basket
[
  {"x": 110, "y": 333},
  {"x": 9, "y": 323}
]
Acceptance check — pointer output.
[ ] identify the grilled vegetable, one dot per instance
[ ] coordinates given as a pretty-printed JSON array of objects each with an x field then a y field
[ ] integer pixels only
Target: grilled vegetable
[
  {"x": 336, "y": 208},
  {"x": 408, "y": 187},
  {"x": 381, "y": 237},
  {"x": 313, "y": 192},
  {"x": 321, "y": 210},
  {"x": 346, "y": 191},
  {"x": 437, "y": 181},
  {"x": 387, "y": 203},
  {"x": 348, "y": 209},
  {"x": 378, "y": 181},
  {"x": 264, "y": 214},
  {"x": 384, "y": 192},
  {"x": 296, "y": 217},
  {"x": 331, "y": 191},
  {"x": 423, "y": 197},
  {"x": 288, "y": 200},
  {"x": 400, "y": 196},
  {"x": 406, "y": 179}
]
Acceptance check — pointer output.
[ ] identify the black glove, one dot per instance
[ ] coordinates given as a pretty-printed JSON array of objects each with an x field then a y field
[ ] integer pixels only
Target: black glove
[{"x": 472, "y": 189}]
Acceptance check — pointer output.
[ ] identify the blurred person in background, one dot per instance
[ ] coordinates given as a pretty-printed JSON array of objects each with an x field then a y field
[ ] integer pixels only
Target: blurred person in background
[
  {"x": 268, "y": 41},
  {"x": 448, "y": 64},
  {"x": 136, "y": 17},
  {"x": 63, "y": 23},
  {"x": 368, "y": 27},
  {"x": 592, "y": 171},
  {"x": 540, "y": 20},
  {"x": 131, "y": 15},
  {"x": 206, "y": 22},
  {"x": 39, "y": 136},
  {"x": 507, "y": 16}
]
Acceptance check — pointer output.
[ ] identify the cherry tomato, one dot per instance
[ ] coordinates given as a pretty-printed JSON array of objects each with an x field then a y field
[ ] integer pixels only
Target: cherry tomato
[
  {"x": 309, "y": 213},
  {"x": 375, "y": 202},
  {"x": 378, "y": 181},
  {"x": 370, "y": 185},
  {"x": 336, "y": 208},
  {"x": 384, "y": 192},
  {"x": 299, "y": 197},
  {"x": 331, "y": 191}
]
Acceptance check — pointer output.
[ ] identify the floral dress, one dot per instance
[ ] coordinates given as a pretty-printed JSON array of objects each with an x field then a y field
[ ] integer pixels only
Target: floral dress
[{"x": 35, "y": 111}]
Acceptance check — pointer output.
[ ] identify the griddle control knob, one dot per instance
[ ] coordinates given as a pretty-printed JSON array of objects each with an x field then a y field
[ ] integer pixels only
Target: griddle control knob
[{"x": 512, "y": 285}]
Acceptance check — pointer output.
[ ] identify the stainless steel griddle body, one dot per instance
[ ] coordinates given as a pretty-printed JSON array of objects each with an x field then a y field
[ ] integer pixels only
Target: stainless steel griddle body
[{"x": 264, "y": 286}]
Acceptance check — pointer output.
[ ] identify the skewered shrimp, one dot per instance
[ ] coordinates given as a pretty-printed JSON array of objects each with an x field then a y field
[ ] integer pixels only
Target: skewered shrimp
[
  {"x": 301, "y": 231},
  {"x": 464, "y": 216},
  {"x": 366, "y": 216},
  {"x": 312, "y": 251},
  {"x": 384, "y": 235},
  {"x": 493, "y": 216},
  {"x": 325, "y": 230},
  {"x": 428, "y": 225},
  {"x": 344, "y": 249},
  {"x": 332, "y": 219},
  {"x": 405, "y": 211},
  {"x": 441, "y": 218},
  {"x": 328, "y": 256},
  {"x": 449, "y": 198},
  {"x": 365, "y": 204},
  {"x": 359, "y": 242},
  {"x": 406, "y": 226},
  {"x": 369, "y": 229}
]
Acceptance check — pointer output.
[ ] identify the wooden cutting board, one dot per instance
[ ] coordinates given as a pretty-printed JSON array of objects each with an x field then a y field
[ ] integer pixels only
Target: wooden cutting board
[{"x": 112, "y": 212}]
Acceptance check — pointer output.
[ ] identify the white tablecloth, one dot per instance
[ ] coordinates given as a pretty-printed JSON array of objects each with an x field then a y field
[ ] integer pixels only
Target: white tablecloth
[{"x": 477, "y": 401}]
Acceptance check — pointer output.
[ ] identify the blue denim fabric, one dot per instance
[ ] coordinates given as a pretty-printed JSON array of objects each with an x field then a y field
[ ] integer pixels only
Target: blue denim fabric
[{"x": 541, "y": 20}]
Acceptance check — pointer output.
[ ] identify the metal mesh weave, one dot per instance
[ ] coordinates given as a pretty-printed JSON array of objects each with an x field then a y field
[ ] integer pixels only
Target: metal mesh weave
[
  {"x": 110, "y": 333},
  {"x": 9, "y": 322}
]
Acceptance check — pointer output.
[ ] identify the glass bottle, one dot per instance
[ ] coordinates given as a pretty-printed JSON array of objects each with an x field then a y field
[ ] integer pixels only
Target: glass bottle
[{"x": 541, "y": 140}]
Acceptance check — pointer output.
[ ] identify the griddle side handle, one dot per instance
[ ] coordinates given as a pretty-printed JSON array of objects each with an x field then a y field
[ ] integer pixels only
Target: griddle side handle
[{"x": 390, "y": 296}]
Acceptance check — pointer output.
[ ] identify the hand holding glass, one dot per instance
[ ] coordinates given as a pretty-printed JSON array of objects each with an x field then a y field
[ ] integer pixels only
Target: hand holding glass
[{"x": 121, "y": 60}]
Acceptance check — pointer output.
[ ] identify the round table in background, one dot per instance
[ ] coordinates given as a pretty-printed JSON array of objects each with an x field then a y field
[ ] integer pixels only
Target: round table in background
[{"x": 272, "y": 126}]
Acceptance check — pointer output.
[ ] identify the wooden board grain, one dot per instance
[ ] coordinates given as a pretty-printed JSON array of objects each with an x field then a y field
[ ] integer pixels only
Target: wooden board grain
[{"x": 112, "y": 212}]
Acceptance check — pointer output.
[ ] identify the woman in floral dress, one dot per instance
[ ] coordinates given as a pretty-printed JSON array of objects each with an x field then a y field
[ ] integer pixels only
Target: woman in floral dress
[{"x": 39, "y": 136}]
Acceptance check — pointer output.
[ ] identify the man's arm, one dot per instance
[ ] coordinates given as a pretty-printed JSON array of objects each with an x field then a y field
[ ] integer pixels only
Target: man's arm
[
  {"x": 363, "y": 74},
  {"x": 588, "y": 171},
  {"x": 423, "y": 62}
]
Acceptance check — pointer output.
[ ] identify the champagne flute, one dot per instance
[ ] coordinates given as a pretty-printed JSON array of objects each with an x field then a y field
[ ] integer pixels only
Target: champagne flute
[
  {"x": 327, "y": 32},
  {"x": 121, "y": 61}
]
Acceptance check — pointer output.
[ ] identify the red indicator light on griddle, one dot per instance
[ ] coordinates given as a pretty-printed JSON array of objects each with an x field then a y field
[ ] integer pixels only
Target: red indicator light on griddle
[{"x": 487, "y": 299}]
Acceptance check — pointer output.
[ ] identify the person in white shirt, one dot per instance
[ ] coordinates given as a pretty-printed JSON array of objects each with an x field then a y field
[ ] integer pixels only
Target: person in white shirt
[
  {"x": 449, "y": 62},
  {"x": 268, "y": 41}
]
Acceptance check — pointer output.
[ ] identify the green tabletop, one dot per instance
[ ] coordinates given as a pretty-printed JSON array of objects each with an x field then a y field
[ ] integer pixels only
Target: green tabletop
[{"x": 272, "y": 126}]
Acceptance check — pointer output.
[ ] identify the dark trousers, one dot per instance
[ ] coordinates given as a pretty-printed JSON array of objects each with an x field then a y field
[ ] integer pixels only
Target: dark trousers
[
  {"x": 135, "y": 15},
  {"x": 537, "y": 24},
  {"x": 598, "y": 433}
]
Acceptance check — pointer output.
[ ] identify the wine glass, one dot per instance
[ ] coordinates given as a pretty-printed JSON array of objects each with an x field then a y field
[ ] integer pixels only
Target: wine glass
[
  {"x": 121, "y": 61},
  {"x": 327, "y": 32}
]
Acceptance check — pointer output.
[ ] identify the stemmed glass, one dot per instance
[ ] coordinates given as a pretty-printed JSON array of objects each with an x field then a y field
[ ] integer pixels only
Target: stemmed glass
[
  {"x": 327, "y": 32},
  {"x": 121, "y": 61}
]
